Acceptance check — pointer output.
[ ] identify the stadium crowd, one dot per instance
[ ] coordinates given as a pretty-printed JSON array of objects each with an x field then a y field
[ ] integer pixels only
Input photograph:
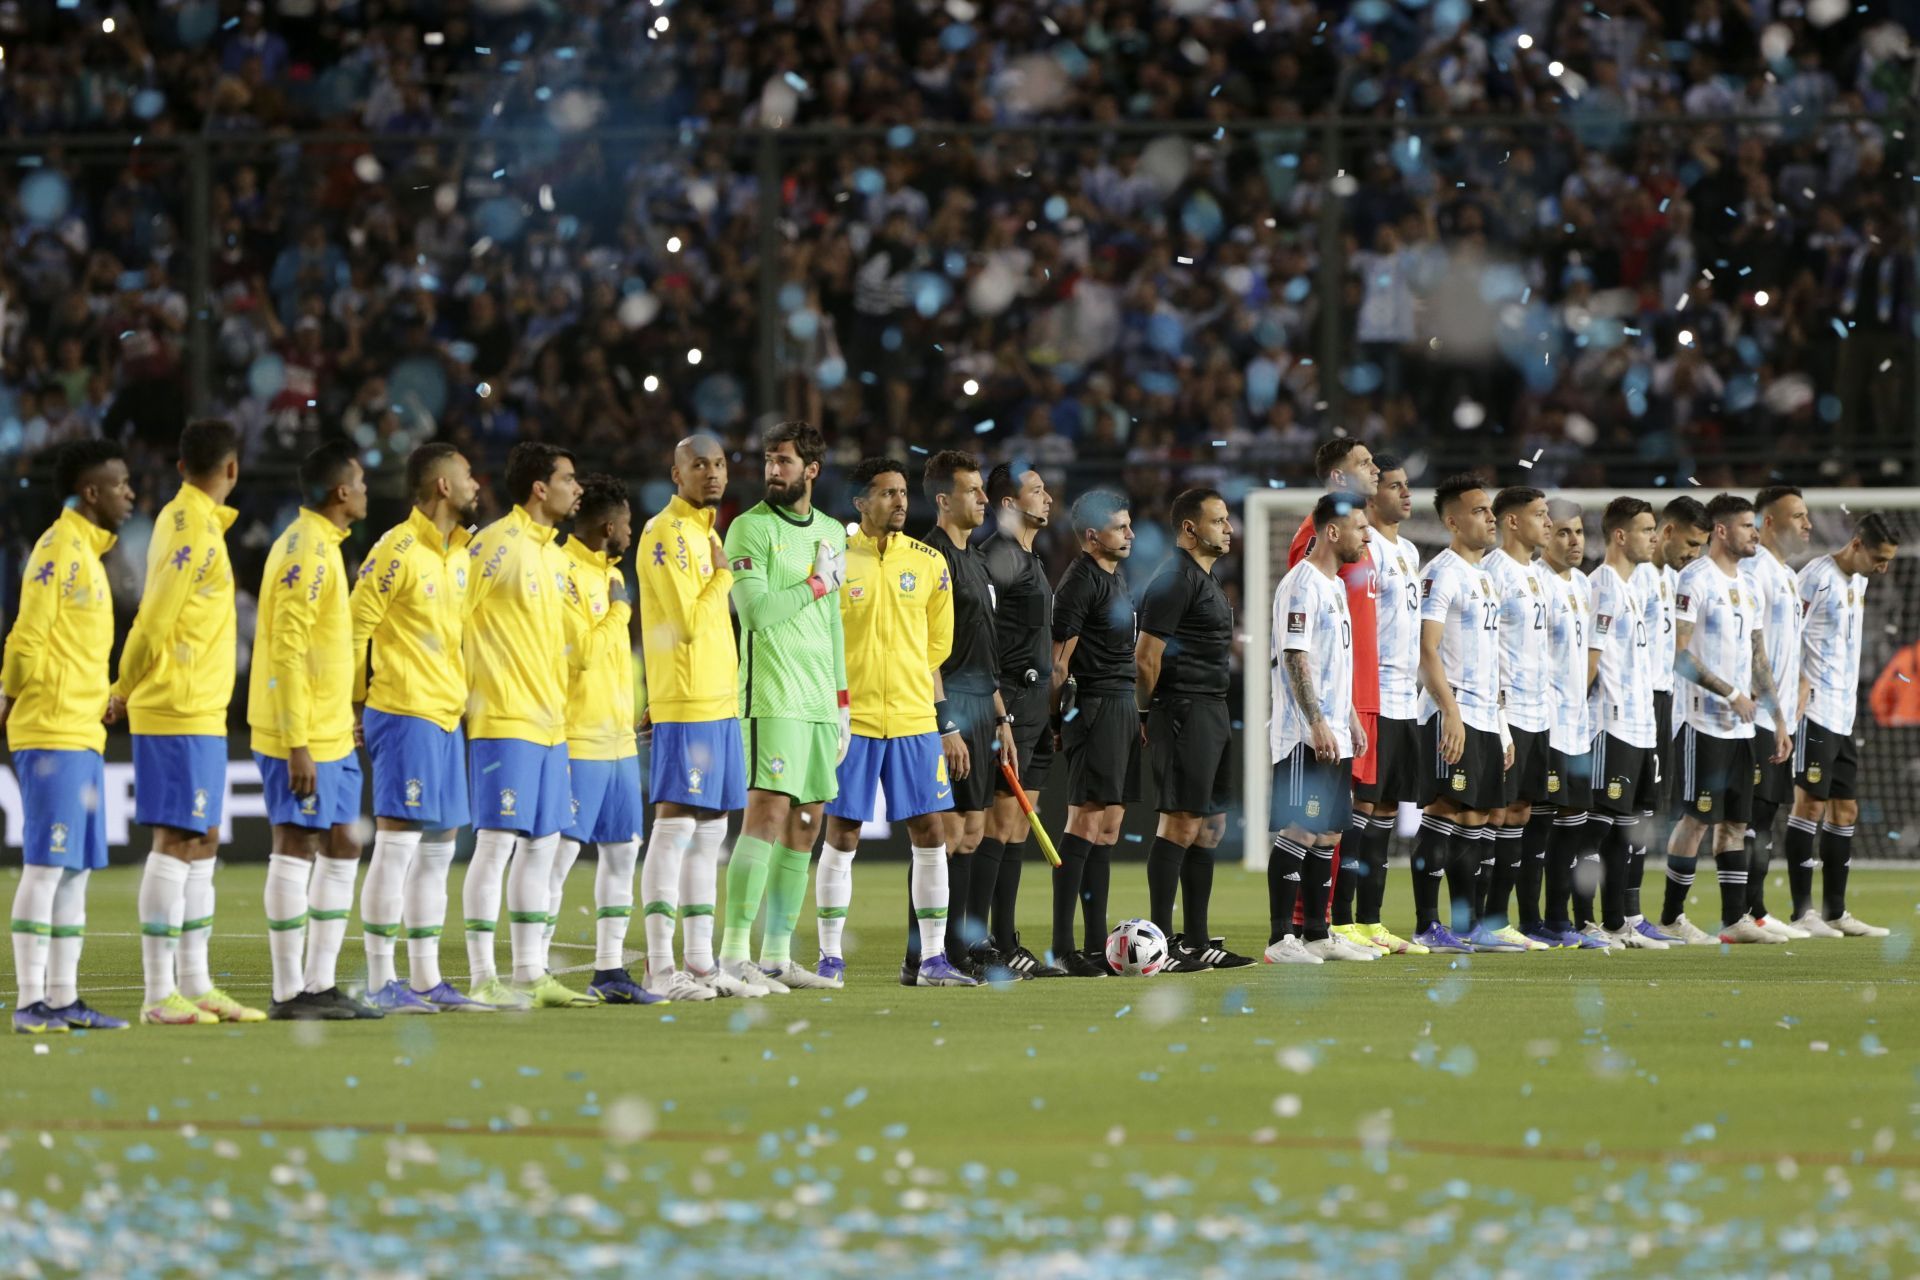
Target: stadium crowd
[{"x": 1617, "y": 301}]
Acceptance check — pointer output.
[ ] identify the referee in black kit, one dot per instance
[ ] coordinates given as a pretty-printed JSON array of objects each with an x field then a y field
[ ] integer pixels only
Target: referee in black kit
[
  {"x": 1093, "y": 630},
  {"x": 1020, "y": 507},
  {"x": 970, "y": 707},
  {"x": 1182, "y": 667}
]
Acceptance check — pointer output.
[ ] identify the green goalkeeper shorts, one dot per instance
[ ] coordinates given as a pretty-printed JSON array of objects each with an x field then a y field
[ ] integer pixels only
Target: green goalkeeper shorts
[{"x": 794, "y": 757}]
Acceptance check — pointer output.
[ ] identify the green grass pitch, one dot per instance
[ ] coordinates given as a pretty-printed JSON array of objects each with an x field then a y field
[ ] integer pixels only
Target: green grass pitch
[{"x": 1721, "y": 1111}]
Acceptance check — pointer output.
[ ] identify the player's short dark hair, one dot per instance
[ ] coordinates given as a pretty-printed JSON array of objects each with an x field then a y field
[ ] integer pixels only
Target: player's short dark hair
[
  {"x": 1448, "y": 491},
  {"x": 77, "y": 460},
  {"x": 601, "y": 497},
  {"x": 1875, "y": 530},
  {"x": 1622, "y": 512},
  {"x": 1003, "y": 483},
  {"x": 532, "y": 462},
  {"x": 1389, "y": 462},
  {"x": 938, "y": 475},
  {"x": 1328, "y": 457},
  {"x": 1189, "y": 504},
  {"x": 422, "y": 462},
  {"x": 804, "y": 436},
  {"x": 1725, "y": 506},
  {"x": 1514, "y": 495},
  {"x": 1094, "y": 508},
  {"x": 206, "y": 444},
  {"x": 1331, "y": 507},
  {"x": 1772, "y": 494},
  {"x": 1687, "y": 511},
  {"x": 871, "y": 469},
  {"x": 326, "y": 469}
]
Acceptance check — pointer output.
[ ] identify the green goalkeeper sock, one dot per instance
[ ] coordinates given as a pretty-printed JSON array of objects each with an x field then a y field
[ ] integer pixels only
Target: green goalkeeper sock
[
  {"x": 786, "y": 893},
  {"x": 746, "y": 883}
]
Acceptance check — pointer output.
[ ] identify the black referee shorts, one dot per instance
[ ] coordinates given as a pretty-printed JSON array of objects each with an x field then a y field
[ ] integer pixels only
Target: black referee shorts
[
  {"x": 1526, "y": 779},
  {"x": 1400, "y": 772},
  {"x": 1188, "y": 740},
  {"x": 1476, "y": 780},
  {"x": 1032, "y": 738},
  {"x": 974, "y": 714},
  {"x": 1825, "y": 764},
  {"x": 1101, "y": 740},
  {"x": 1716, "y": 778}
]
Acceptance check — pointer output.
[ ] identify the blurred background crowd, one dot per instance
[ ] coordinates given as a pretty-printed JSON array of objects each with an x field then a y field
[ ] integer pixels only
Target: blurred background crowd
[{"x": 1134, "y": 242}]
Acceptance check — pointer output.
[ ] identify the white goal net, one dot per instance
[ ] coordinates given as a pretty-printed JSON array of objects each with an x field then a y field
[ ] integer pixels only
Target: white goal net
[{"x": 1889, "y": 825}]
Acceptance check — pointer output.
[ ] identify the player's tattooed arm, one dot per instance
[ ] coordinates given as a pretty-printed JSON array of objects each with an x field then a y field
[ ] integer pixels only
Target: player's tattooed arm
[
  {"x": 1300, "y": 681},
  {"x": 1688, "y": 667},
  {"x": 1764, "y": 691}
]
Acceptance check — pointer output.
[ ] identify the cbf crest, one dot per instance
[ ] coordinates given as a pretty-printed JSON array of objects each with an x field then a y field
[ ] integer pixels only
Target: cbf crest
[
  {"x": 696, "y": 777},
  {"x": 415, "y": 788},
  {"x": 199, "y": 802},
  {"x": 908, "y": 582},
  {"x": 509, "y": 799},
  {"x": 57, "y": 837}
]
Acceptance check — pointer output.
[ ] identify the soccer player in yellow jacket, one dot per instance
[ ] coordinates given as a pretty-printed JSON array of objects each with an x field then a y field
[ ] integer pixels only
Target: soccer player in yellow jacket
[
  {"x": 897, "y": 607},
  {"x": 300, "y": 704},
  {"x": 698, "y": 766},
  {"x": 176, "y": 679},
  {"x": 602, "y": 750},
  {"x": 409, "y": 614},
  {"x": 517, "y": 674},
  {"x": 53, "y": 695}
]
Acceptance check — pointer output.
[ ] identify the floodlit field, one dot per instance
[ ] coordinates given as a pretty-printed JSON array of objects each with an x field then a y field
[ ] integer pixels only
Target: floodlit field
[{"x": 1716, "y": 1110}]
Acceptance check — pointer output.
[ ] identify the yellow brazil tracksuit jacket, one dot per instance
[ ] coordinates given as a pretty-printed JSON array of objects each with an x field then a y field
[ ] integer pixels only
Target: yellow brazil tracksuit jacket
[
  {"x": 686, "y": 630},
  {"x": 409, "y": 610},
  {"x": 55, "y": 669},
  {"x": 897, "y": 608},
  {"x": 600, "y": 715},
  {"x": 300, "y": 692},
  {"x": 177, "y": 669}
]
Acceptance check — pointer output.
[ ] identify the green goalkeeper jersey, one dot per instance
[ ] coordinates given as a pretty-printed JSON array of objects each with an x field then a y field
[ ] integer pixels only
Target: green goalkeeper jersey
[{"x": 792, "y": 652}]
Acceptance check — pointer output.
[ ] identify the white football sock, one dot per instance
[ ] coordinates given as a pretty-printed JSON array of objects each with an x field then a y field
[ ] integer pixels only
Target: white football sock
[
  {"x": 698, "y": 875},
  {"x": 163, "y": 901},
  {"x": 832, "y": 896},
  {"x": 613, "y": 905},
  {"x": 286, "y": 903},
  {"x": 425, "y": 911},
  {"x": 330, "y": 902},
  {"x": 660, "y": 889},
  {"x": 69, "y": 935},
  {"x": 196, "y": 929},
  {"x": 33, "y": 931},
  {"x": 527, "y": 889},
  {"x": 564, "y": 857},
  {"x": 929, "y": 892},
  {"x": 383, "y": 902},
  {"x": 480, "y": 900}
]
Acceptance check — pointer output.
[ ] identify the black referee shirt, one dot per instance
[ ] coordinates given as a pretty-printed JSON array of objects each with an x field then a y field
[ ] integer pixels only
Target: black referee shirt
[
  {"x": 1097, "y": 607},
  {"x": 1186, "y": 607},
  {"x": 1022, "y": 615},
  {"x": 969, "y": 667}
]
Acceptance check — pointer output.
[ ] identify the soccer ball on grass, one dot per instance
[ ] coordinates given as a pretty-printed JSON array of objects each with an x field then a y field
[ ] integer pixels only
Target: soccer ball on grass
[{"x": 1136, "y": 949}]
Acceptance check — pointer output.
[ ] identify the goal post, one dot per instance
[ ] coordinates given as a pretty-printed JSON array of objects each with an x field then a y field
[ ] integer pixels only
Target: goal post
[{"x": 1889, "y": 823}]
